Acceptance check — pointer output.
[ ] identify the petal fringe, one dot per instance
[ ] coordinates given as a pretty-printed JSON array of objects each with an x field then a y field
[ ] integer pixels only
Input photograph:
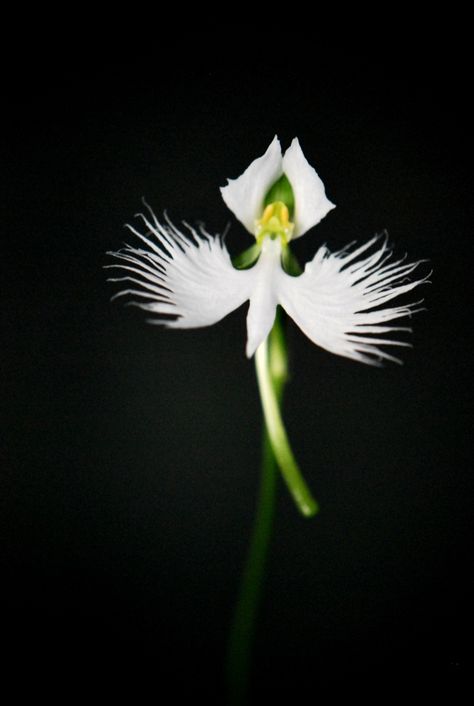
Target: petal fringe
[
  {"x": 337, "y": 301},
  {"x": 188, "y": 276}
]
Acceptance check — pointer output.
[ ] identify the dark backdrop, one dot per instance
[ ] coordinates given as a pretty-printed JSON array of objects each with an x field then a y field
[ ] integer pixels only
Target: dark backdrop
[{"x": 132, "y": 452}]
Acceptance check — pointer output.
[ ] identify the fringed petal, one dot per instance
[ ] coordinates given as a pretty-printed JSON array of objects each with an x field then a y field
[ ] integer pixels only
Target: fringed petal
[
  {"x": 188, "y": 276},
  {"x": 338, "y": 300}
]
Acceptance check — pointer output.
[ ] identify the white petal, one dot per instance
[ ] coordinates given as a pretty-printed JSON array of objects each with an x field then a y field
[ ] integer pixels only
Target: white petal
[
  {"x": 191, "y": 277},
  {"x": 336, "y": 301},
  {"x": 244, "y": 195},
  {"x": 267, "y": 273},
  {"x": 311, "y": 203}
]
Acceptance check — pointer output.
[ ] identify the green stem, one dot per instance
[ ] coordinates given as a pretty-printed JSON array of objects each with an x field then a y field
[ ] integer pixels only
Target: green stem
[
  {"x": 243, "y": 627},
  {"x": 272, "y": 373},
  {"x": 270, "y": 358}
]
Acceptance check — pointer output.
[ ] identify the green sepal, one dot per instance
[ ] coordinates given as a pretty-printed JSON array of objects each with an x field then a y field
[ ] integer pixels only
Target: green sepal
[
  {"x": 290, "y": 263},
  {"x": 281, "y": 191},
  {"x": 247, "y": 258}
]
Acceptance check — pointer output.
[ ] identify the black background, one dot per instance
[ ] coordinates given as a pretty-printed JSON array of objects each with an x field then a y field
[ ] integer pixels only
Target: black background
[{"x": 132, "y": 452}]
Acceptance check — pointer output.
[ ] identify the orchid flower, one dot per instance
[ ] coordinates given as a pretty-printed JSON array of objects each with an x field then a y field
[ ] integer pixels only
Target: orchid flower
[
  {"x": 339, "y": 301},
  {"x": 336, "y": 301}
]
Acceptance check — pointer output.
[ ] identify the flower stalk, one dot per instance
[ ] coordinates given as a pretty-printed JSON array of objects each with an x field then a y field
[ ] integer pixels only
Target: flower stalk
[
  {"x": 241, "y": 636},
  {"x": 340, "y": 300},
  {"x": 272, "y": 373}
]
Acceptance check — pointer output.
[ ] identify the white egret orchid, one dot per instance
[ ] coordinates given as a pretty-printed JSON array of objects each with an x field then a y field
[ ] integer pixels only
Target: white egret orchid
[{"x": 337, "y": 301}]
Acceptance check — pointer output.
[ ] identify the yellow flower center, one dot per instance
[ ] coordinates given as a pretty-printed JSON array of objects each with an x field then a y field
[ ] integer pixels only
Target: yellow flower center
[{"x": 275, "y": 222}]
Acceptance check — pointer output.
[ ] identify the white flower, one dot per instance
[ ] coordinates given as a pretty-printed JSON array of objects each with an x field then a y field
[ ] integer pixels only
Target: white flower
[{"x": 338, "y": 301}]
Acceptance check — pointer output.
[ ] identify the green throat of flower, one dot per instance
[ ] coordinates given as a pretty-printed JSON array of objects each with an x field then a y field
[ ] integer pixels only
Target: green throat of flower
[{"x": 278, "y": 209}]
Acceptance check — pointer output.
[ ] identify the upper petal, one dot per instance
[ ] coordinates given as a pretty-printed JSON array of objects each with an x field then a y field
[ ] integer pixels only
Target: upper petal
[
  {"x": 311, "y": 203},
  {"x": 244, "y": 195}
]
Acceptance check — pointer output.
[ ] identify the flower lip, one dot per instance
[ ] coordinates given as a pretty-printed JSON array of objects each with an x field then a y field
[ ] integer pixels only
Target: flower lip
[
  {"x": 339, "y": 301},
  {"x": 245, "y": 196}
]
